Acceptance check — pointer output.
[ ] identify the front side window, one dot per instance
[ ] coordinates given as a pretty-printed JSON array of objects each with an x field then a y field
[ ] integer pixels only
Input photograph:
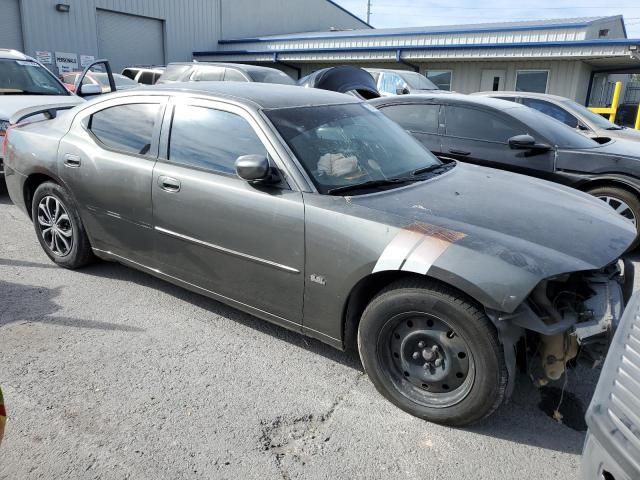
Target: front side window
[
  {"x": 532, "y": 81},
  {"x": 126, "y": 128},
  {"x": 25, "y": 77},
  {"x": 211, "y": 139},
  {"x": 441, "y": 78},
  {"x": 418, "y": 82},
  {"x": 415, "y": 118},
  {"x": 231, "y": 75},
  {"x": 479, "y": 125},
  {"x": 349, "y": 144},
  {"x": 552, "y": 110},
  {"x": 391, "y": 83}
]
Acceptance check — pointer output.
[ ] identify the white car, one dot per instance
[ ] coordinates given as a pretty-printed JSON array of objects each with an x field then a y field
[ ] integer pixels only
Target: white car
[{"x": 25, "y": 83}]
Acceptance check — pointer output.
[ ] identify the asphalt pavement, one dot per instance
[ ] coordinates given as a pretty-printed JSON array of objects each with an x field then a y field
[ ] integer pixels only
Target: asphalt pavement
[{"x": 110, "y": 373}]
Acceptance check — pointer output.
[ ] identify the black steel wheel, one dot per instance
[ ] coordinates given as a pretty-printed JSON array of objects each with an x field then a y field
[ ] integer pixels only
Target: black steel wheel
[{"x": 433, "y": 352}]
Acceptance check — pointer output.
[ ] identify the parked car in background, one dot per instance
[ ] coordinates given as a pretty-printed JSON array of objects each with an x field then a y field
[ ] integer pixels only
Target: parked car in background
[
  {"x": 144, "y": 75},
  {"x": 227, "y": 72},
  {"x": 570, "y": 113},
  {"x": 343, "y": 79},
  {"x": 100, "y": 79},
  {"x": 24, "y": 83},
  {"x": 312, "y": 210},
  {"x": 401, "y": 82},
  {"x": 510, "y": 136}
]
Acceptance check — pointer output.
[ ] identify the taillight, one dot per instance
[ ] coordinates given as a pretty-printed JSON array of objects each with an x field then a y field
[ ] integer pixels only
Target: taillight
[{"x": 5, "y": 141}]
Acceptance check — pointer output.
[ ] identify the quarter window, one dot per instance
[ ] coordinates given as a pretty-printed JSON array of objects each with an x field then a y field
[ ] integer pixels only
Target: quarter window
[
  {"x": 479, "y": 125},
  {"x": 415, "y": 118},
  {"x": 211, "y": 139},
  {"x": 127, "y": 128},
  {"x": 442, "y": 78},
  {"x": 552, "y": 110},
  {"x": 532, "y": 81}
]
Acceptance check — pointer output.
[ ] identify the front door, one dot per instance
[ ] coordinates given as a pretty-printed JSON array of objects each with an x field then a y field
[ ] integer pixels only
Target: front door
[
  {"x": 107, "y": 161},
  {"x": 241, "y": 242},
  {"x": 492, "y": 80},
  {"x": 481, "y": 136}
]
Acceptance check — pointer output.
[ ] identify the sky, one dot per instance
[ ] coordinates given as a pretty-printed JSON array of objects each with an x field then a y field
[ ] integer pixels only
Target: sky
[{"x": 412, "y": 13}]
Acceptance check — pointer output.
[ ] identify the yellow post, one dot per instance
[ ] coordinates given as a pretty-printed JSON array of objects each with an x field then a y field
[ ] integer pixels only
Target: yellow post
[
  {"x": 637, "y": 127},
  {"x": 613, "y": 109}
]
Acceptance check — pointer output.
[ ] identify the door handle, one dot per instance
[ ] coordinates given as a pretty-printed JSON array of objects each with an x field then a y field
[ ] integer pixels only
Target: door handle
[
  {"x": 72, "y": 161},
  {"x": 460, "y": 152},
  {"x": 169, "y": 184}
]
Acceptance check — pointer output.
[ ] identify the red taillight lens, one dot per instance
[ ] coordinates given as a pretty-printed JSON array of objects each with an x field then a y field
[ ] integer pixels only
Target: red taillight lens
[{"x": 5, "y": 142}]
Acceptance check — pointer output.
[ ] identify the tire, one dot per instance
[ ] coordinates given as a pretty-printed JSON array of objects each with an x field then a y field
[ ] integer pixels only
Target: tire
[
  {"x": 66, "y": 243},
  {"x": 424, "y": 313},
  {"x": 616, "y": 197}
]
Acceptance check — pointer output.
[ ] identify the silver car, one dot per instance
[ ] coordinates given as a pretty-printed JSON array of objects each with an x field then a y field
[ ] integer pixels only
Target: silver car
[
  {"x": 402, "y": 82},
  {"x": 313, "y": 210},
  {"x": 569, "y": 112}
]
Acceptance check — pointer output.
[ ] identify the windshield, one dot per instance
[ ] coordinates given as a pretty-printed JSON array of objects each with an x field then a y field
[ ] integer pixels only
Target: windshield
[
  {"x": 349, "y": 144},
  {"x": 271, "y": 76},
  {"x": 597, "y": 120},
  {"x": 554, "y": 131},
  {"x": 418, "y": 82},
  {"x": 25, "y": 77}
]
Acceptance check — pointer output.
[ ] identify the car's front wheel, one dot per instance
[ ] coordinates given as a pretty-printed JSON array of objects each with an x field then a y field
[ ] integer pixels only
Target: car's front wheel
[
  {"x": 432, "y": 352},
  {"x": 59, "y": 228},
  {"x": 623, "y": 202}
]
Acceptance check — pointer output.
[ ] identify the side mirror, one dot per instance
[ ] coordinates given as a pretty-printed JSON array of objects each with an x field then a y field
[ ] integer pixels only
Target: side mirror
[
  {"x": 526, "y": 142},
  {"x": 402, "y": 91},
  {"x": 255, "y": 169},
  {"x": 89, "y": 89}
]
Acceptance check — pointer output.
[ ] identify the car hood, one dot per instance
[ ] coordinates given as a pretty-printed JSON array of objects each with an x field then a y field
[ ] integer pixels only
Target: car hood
[
  {"x": 497, "y": 221},
  {"x": 630, "y": 134},
  {"x": 10, "y": 104}
]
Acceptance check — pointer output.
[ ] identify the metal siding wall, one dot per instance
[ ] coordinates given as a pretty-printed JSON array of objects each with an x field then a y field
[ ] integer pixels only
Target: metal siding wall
[
  {"x": 10, "y": 25},
  {"x": 190, "y": 25}
]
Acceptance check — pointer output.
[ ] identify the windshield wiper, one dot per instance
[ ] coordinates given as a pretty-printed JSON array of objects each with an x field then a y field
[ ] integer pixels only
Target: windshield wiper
[
  {"x": 436, "y": 168},
  {"x": 371, "y": 184}
]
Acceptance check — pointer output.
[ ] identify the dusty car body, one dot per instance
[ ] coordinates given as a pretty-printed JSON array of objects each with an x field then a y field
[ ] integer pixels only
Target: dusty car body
[
  {"x": 343, "y": 79},
  {"x": 312, "y": 210}
]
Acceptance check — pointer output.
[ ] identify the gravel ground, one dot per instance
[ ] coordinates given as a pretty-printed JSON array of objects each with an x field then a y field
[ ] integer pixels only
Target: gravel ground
[{"x": 111, "y": 373}]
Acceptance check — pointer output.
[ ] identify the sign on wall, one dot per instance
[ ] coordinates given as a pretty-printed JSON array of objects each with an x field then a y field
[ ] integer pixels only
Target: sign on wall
[
  {"x": 86, "y": 60},
  {"x": 44, "y": 57},
  {"x": 66, "y": 62}
]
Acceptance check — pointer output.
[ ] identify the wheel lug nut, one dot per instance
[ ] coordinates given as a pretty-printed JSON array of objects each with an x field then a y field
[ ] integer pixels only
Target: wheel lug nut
[
  {"x": 416, "y": 355},
  {"x": 421, "y": 344},
  {"x": 434, "y": 348},
  {"x": 426, "y": 366},
  {"x": 438, "y": 362}
]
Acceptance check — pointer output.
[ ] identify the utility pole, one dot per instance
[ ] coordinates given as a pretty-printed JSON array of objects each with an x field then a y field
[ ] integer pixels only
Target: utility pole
[{"x": 369, "y": 11}]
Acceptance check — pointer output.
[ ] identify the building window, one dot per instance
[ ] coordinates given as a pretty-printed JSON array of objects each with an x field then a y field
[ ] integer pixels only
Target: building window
[
  {"x": 442, "y": 78},
  {"x": 532, "y": 81},
  {"x": 603, "y": 33}
]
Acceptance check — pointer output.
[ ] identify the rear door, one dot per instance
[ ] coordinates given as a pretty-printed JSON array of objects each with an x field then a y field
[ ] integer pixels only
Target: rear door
[
  {"x": 420, "y": 120},
  {"x": 482, "y": 136},
  {"x": 242, "y": 242},
  {"x": 107, "y": 161}
]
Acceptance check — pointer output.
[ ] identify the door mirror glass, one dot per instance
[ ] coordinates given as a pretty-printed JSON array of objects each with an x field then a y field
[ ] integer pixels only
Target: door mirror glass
[
  {"x": 254, "y": 169},
  {"x": 402, "y": 91}
]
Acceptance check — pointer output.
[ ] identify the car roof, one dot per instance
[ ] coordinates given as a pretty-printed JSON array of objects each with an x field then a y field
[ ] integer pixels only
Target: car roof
[
  {"x": 379, "y": 70},
  {"x": 237, "y": 66},
  {"x": 451, "y": 99},
  {"x": 547, "y": 96},
  {"x": 8, "y": 54},
  {"x": 256, "y": 95}
]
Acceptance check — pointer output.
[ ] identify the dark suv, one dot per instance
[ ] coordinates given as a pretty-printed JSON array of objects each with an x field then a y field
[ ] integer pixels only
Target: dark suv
[{"x": 228, "y": 72}]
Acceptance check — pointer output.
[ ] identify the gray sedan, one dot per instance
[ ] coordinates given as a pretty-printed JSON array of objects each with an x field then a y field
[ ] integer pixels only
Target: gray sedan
[
  {"x": 570, "y": 113},
  {"x": 312, "y": 210}
]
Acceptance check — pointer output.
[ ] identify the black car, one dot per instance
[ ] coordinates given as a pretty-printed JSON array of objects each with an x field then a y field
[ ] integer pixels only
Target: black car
[{"x": 510, "y": 136}]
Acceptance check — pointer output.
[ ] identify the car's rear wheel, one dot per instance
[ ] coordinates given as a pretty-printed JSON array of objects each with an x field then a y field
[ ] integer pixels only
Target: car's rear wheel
[
  {"x": 59, "y": 228},
  {"x": 623, "y": 202},
  {"x": 433, "y": 353}
]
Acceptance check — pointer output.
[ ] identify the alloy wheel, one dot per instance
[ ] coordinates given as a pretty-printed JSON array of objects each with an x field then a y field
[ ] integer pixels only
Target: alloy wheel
[
  {"x": 426, "y": 359},
  {"x": 620, "y": 207},
  {"x": 55, "y": 226}
]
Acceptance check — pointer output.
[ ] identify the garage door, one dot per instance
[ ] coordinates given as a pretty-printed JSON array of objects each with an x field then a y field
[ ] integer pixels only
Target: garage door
[
  {"x": 10, "y": 25},
  {"x": 127, "y": 40}
]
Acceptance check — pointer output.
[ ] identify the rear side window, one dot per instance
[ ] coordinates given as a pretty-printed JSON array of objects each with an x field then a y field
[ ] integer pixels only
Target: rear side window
[
  {"x": 415, "y": 118},
  {"x": 126, "y": 128},
  {"x": 552, "y": 110},
  {"x": 146, "y": 78},
  {"x": 211, "y": 139},
  {"x": 129, "y": 73},
  {"x": 479, "y": 125}
]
